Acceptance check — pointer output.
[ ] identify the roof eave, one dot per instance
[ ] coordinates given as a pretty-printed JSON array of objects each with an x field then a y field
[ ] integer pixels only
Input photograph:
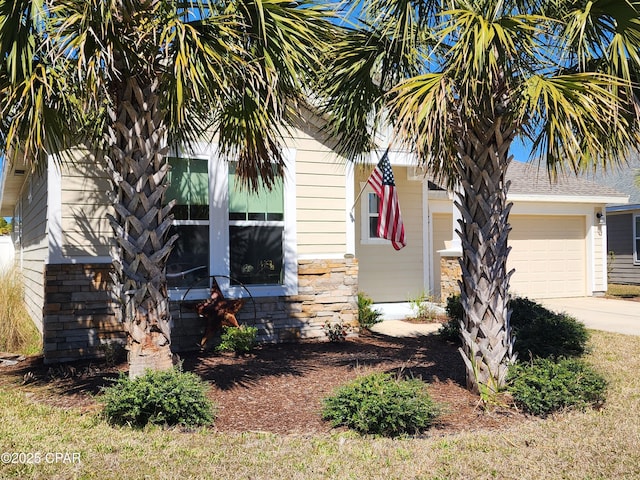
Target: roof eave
[{"x": 591, "y": 199}]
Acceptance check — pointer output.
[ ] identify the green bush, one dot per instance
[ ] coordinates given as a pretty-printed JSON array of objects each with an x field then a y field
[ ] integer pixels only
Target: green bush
[
  {"x": 450, "y": 330},
  {"x": 240, "y": 339},
  {"x": 381, "y": 404},
  {"x": 558, "y": 335},
  {"x": 544, "y": 386},
  {"x": 336, "y": 332},
  {"x": 367, "y": 316},
  {"x": 539, "y": 332},
  {"x": 170, "y": 397}
]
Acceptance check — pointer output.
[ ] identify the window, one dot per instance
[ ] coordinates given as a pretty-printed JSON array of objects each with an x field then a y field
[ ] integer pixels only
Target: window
[
  {"x": 225, "y": 230},
  {"x": 256, "y": 233},
  {"x": 636, "y": 238},
  {"x": 189, "y": 186},
  {"x": 370, "y": 213}
]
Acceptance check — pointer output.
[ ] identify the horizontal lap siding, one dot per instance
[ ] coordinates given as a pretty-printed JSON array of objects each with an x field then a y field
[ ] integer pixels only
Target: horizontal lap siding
[
  {"x": 320, "y": 198},
  {"x": 620, "y": 247},
  {"x": 85, "y": 203},
  {"x": 34, "y": 244},
  {"x": 387, "y": 275}
]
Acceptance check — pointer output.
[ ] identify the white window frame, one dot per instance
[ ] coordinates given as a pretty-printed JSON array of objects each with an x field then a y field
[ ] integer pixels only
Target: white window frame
[
  {"x": 219, "y": 255},
  {"x": 201, "y": 152},
  {"x": 219, "y": 233},
  {"x": 636, "y": 237},
  {"x": 365, "y": 216}
]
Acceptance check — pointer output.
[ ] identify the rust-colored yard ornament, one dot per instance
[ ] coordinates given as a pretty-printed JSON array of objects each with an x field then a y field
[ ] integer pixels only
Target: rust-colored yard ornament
[{"x": 218, "y": 312}]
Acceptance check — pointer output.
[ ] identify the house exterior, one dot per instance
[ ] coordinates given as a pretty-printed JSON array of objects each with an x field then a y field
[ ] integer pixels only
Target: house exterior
[
  {"x": 299, "y": 253},
  {"x": 558, "y": 241},
  {"x": 623, "y": 225}
]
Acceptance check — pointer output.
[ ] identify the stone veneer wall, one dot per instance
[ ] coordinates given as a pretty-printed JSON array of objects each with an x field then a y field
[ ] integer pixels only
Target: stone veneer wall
[
  {"x": 79, "y": 313},
  {"x": 450, "y": 273}
]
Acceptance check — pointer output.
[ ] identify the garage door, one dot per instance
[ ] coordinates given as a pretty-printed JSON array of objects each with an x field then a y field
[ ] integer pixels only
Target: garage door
[{"x": 549, "y": 256}]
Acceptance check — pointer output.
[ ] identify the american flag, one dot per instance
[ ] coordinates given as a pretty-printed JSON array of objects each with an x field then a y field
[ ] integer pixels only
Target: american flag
[{"x": 390, "y": 224}]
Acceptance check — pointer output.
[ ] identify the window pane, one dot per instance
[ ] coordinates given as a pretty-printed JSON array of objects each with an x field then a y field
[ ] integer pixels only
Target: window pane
[
  {"x": 246, "y": 205},
  {"x": 189, "y": 186},
  {"x": 256, "y": 254},
  {"x": 373, "y": 203},
  {"x": 189, "y": 259},
  {"x": 373, "y": 227}
]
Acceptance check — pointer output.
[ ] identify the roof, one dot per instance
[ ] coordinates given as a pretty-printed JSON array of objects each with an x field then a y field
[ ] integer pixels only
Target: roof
[
  {"x": 530, "y": 179},
  {"x": 12, "y": 177},
  {"x": 622, "y": 178}
]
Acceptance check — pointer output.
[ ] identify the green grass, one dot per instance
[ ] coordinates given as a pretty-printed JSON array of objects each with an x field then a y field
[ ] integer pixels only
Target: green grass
[
  {"x": 18, "y": 334},
  {"x": 617, "y": 290},
  {"x": 575, "y": 445}
]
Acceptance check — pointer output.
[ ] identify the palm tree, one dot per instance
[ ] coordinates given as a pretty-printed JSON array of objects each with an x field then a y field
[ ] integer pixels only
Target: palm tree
[
  {"x": 459, "y": 80},
  {"x": 132, "y": 78}
]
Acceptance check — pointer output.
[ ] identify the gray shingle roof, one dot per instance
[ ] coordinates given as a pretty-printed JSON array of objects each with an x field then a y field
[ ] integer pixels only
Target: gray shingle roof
[
  {"x": 529, "y": 179},
  {"x": 621, "y": 179}
]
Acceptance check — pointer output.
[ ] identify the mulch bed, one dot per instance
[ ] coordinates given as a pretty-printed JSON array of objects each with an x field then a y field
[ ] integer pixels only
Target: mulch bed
[{"x": 279, "y": 388}]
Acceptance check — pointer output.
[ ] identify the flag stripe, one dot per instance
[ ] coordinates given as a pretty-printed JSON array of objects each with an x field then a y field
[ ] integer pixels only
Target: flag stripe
[{"x": 390, "y": 225}]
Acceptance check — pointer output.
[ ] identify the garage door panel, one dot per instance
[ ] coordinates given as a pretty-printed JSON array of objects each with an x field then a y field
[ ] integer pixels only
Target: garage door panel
[{"x": 549, "y": 256}]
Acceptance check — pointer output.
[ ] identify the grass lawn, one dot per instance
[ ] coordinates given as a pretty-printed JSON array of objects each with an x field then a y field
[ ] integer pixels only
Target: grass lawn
[
  {"x": 601, "y": 444},
  {"x": 615, "y": 290}
]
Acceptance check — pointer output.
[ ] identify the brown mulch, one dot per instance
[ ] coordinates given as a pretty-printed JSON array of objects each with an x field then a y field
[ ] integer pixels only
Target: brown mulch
[{"x": 279, "y": 388}]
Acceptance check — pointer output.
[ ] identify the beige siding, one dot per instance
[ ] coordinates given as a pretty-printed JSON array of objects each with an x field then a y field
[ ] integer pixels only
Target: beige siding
[
  {"x": 549, "y": 256},
  {"x": 387, "y": 275},
  {"x": 442, "y": 232},
  {"x": 85, "y": 204},
  {"x": 320, "y": 197},
  {"x": 33, "y": 244},
  {"x": 599, "y": 260}
]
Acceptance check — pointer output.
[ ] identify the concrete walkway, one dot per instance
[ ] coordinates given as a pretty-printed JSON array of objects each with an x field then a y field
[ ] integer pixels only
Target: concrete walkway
[
  {"x": 608, "y": 314},
  {"x": 611, "y": 315},
  {"x": 398, "y": 328},
  {"x": 393, "y": 326}
]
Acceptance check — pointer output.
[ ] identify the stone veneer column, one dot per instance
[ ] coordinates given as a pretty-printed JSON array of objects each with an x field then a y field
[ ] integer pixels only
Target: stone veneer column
[
  {"x": 327, "y": 292},
  {"x": 78, "y": 314},
  {"x": 450, "y": 273}
]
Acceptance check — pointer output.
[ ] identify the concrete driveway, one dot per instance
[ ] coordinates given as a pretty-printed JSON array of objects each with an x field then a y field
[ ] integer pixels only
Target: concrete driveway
[{"x": 611, "y": 315}]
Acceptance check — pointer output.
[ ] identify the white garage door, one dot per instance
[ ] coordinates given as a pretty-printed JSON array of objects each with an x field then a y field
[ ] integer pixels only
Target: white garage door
[{"x": 549, "y": 256}]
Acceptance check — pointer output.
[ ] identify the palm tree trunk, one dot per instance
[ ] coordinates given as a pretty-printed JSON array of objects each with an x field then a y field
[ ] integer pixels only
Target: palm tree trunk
[
  {"x": 486, "y": 334},
  {"x": 137, "y": 146}
]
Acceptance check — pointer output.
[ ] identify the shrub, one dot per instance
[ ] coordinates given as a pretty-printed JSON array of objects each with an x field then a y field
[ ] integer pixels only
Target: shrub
[
  {"x": 170, "y": 397},
  {"x": 539, "y": 332},
  {"x": 367, "y": 316},
  {"x": 381, "y": 404},
  {"x": 238, "y": 339},
  {"x": 544, "y": 386},
  {"x": 337, "y": 332},
  {"x": 450, "y": 330},
  {"x": 558, "y": 335}
]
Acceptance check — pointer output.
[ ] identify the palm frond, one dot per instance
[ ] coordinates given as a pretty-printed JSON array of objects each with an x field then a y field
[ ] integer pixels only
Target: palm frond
[{"x": 579, "y": 120}]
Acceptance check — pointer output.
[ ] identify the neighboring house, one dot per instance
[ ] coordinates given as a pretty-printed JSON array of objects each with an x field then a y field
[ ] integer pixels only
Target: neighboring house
[
  {"x": 301, "y": 250},
  {"x": 623, "y": 224}
]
